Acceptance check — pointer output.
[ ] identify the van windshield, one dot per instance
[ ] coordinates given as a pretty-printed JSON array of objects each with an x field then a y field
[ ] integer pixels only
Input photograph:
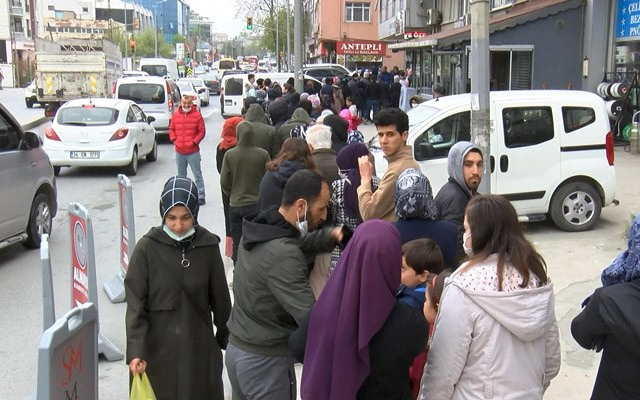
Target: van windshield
[
  {"x": 420, "y": 114},
  {"x": 155, "y": 70},
  {"x": 142, "y": 93}
]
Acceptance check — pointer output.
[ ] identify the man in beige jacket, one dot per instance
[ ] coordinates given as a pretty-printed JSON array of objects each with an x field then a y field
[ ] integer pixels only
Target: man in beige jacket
[{"x": 393, "y": 129}]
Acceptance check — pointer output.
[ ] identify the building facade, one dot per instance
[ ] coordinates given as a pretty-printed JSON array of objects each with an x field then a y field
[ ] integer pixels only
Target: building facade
[
  {"x": 534, "y": 44},
  {"x": 172, "y": 16},
  {"x": 345, "y": 32},
  {"x": 200, "y": 38}
]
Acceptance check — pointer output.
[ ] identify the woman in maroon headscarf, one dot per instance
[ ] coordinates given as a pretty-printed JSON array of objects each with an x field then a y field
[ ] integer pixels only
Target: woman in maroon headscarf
[{"x": 360, "y": 341}]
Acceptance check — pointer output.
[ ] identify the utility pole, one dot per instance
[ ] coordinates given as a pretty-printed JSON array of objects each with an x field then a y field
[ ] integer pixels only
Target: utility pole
[
  {"x": 480, "y": 115},
  {"x": 278, "y": 37},
  {"x": 126, "y": 36},
  {"x": 288, "y": 37},
  {"x": 297, "y": 45}
]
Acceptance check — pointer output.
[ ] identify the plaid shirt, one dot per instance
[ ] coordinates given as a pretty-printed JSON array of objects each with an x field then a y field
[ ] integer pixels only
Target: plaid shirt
[{"x": 338, "y": 215}]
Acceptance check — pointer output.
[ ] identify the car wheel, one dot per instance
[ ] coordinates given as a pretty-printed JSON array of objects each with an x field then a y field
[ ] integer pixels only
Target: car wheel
[
  {"x": 29, "y": 103},
  {"x": 132, "y": 168},
  {"x": 56, "y": 170},
  {"x": 40, "y": 221},
  {"x": 575, "y": 207},
  {"x": 153, "y": 155}
]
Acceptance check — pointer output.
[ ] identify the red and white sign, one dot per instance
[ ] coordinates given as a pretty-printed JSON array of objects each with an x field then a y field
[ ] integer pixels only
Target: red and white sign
[
  {"x": 124, "y": 228},
  {"x": 361, "y": 47},
  {"x": 414, "y": 35},
  {"x": 79, "y": 260}
]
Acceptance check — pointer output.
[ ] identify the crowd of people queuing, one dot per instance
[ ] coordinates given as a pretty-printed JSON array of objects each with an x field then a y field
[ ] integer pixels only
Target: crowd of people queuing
[{"x": 379, "y": 289}]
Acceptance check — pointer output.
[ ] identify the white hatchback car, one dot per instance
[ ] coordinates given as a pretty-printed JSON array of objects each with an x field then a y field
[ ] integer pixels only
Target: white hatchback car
[
  {"x": 100, "y": 133},
  {"x": 187, "y": 88},
  {"x": 201, "y": 89}
]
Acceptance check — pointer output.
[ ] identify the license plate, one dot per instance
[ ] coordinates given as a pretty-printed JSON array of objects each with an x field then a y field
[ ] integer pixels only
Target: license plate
[
  {"x": 228, "y": 102},
  {"x": 85, "y": 154}
]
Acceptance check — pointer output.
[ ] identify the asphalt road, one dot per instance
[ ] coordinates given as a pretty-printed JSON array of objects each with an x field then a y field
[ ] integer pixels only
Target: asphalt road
[{"x": 574, "y": 260}]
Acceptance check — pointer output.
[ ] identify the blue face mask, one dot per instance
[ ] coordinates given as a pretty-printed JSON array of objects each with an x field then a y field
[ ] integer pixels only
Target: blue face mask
[{"x": 179, "y": 238}]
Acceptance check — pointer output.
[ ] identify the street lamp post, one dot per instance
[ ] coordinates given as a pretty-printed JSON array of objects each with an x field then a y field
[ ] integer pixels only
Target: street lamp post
[{"x": 155, "y": 7}]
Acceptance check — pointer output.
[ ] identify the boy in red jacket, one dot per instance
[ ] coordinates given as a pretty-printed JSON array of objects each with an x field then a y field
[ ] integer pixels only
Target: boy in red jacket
[{"x": 186, "y": 131}]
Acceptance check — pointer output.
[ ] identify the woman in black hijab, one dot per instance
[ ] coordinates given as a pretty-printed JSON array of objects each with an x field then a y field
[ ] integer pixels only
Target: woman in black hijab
[
  {"x": 339, "y": 127},
  {"x": 174, "y": 283}
]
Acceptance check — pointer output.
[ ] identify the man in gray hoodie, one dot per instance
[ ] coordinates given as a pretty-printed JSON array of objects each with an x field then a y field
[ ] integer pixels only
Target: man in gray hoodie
[{"x": 464, "y": 165}]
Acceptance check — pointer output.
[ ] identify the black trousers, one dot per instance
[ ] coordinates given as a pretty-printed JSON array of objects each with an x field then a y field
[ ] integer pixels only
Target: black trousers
[{"x": 236, "y": 215}]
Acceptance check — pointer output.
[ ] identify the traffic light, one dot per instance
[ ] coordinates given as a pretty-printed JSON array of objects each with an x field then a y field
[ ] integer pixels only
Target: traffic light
[
  {"x": 132, "y": 45},
  {"x": 249, "y": 23},
  {"x": 136, "y": 24}
]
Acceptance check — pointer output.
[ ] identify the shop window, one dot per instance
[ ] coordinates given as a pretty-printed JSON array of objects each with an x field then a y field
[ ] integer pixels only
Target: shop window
[
  {"x": 575, "y": 118},
  {"x": 511, "y": 69},
  {"x": 358, "y": 12},
  {"x": 526, "y": 126},
  {"x": 436, "y": 141}
]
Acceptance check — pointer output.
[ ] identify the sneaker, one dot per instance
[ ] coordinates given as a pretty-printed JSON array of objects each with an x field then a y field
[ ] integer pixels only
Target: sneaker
[{"x": 202, "y": 201}]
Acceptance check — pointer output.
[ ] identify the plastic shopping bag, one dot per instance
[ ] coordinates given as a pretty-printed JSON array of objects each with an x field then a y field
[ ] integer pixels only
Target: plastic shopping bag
[{"x": 141, "y": 388}]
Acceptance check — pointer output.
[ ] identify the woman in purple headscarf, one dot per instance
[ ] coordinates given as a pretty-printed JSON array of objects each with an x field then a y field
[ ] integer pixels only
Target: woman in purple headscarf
[
  {"x": 343, "y": 206},
  {"x": 360, "y": 341}
]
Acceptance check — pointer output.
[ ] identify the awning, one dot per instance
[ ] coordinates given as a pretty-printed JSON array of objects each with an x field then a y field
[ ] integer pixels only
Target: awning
[{"x": 516, "y": 15}]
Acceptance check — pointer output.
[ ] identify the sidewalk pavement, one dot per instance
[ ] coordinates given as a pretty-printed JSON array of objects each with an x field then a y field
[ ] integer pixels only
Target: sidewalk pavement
[{"x": 29, "y": 118}]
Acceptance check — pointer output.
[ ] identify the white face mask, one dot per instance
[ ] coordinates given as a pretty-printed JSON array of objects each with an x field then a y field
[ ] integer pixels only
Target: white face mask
[
  {"x": 468, "y": 250},
  {"x": 303, "y": 226},
  {"x": 179, "y": 238}
]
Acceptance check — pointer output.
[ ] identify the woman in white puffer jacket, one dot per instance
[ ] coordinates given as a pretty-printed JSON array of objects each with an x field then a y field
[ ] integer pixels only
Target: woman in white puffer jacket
[{"x": 496, "y": 335}]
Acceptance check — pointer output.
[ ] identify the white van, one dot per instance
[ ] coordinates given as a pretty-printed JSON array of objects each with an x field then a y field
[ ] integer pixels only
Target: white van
[
  {"x": 158, "y": 97},
  {"x": 161, "y": 67},
  {"x": 551, "y": 151},
  {"x": 232, "y": 92}
]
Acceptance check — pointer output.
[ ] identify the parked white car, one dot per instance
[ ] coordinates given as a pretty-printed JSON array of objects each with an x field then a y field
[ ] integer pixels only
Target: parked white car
[
  {"x": 551, "y": 151},
  {"x": 100, "y": 133},
  {"x": 187, "y": 88},
  {"x": 201, "y": 89}
]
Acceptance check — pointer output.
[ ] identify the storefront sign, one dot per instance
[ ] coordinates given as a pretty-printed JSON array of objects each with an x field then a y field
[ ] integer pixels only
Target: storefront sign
[
  {"x": 361, "y": 47},
  {"x": 628, "y": 19},
  {"x": 413, "y": 35}
]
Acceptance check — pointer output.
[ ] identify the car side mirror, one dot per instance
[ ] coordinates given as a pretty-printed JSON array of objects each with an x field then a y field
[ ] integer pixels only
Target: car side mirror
[
  {"x": 150, "y": 119},
  {"x": 201, "y": 90},
  {"x": 32, "y": 140},
  {"x": 424, "y": 151}
]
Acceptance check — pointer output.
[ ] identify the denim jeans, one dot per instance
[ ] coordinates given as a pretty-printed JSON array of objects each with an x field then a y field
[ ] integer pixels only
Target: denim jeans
[
  {"x": 372, "y": 105},
  {"x": 193, "y": 160}
]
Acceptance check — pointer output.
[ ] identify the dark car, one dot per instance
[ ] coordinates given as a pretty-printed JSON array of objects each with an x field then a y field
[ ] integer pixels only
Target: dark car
[
  {"x": 212, "y": 81},
  {"x": 27, "y": 185},
  {"x": 322, "y": 71}
]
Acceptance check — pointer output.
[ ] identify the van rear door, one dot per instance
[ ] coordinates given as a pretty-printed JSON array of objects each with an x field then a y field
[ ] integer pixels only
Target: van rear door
[
  {"x": 233, "y": 95},
  {"x": 527, "y": 159}
]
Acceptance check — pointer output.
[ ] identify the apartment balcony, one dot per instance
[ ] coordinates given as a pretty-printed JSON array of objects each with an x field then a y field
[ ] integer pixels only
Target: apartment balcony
[{"x": 17, "y": 9}]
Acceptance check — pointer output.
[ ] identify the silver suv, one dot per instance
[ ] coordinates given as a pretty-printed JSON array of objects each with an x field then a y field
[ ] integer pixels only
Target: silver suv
[{"x": 27, "y": 185}]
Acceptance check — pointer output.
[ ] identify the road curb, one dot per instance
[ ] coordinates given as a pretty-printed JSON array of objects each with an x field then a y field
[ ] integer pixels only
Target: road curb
[{"x": 35, "y": 123}]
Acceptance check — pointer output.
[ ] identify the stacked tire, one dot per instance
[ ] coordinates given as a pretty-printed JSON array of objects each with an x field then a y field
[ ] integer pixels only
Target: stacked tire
[{"x": 615, "y": 90}]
